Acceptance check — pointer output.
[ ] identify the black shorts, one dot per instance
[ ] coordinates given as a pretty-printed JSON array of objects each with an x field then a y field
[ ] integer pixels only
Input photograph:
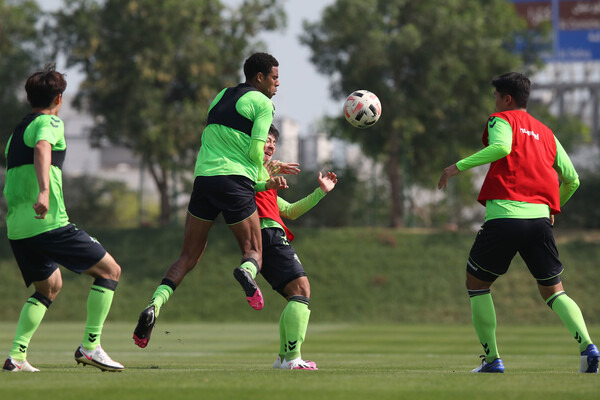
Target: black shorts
[
  {"x": 500, "y": 239},
  {"x": 39, "y": 256},
  {"x": 233, "y": 195},
  {"x": 280, "y": 263}
]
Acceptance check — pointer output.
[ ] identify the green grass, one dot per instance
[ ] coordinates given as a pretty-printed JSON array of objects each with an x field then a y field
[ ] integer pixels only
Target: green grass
[
  {"x": 356, "y": 361},
  {"x": 356, "y": 274}
]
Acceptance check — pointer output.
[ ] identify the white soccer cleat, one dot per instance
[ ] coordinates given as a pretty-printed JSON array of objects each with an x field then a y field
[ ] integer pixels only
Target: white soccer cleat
[
  {"x": 298, "y": 363},
  {"x": 97, "y": 358},
  {"x": 11, "y": 365},
  {"x": 277, "y": 363}
]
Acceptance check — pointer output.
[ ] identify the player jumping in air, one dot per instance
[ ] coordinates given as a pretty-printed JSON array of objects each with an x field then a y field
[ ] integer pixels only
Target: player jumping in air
[{"x": 228, "y": 166}]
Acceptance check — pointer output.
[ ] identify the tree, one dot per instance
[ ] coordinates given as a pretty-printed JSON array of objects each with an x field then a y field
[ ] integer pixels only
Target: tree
[
  {"x": 356, "y": 196},
  {"x": 94, "y": 202},
  {"x": 21, "y": 53},
  {"x": 430, "y": 62},
  {"x": 152, "y": 68}
]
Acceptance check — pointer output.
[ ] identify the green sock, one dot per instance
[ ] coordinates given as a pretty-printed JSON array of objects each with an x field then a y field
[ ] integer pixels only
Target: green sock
[
  {"x": 160, "y": 297},
  {"x": 282, "y": 340},
  {"x": 296, "y": 315},
  {"x": 484, "y": 322},
  {"x": 250, "y": 267},
  {"x": 31, "y": 316},
  {"x": 571, "y": 316},
  {"x": 98, "y": 305}
]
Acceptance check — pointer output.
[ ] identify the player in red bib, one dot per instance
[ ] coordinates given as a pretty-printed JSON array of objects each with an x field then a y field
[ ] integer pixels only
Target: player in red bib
[
  {"x": 521, "y": 194},
  {"x": 281, "y": 266}
]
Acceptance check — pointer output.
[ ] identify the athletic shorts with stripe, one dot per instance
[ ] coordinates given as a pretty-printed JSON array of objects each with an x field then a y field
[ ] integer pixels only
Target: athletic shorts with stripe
[
  {"x": 39, "y": 256},
  {"x": 280, "y": 263},
  {"x": 500, "y": 239}
]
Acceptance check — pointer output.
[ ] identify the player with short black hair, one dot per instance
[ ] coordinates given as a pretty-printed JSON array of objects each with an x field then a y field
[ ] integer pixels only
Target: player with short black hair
[
  {"x": 281, "y": 266},
  {"x": 228, "y": 167},
  {"x": 259, "y": 62},
  {"x": 521, "y": 195},
  {"x": 517, "y": 85},
  {"x": 38, "y": 227}
]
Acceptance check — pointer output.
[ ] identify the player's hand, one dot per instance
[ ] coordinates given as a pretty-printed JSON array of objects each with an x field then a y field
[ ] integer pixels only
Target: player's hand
[
  {"x": 288, "y": 168},
  {"x": 272, "y": 167},
  {"x": 446, "y": 175},
  {"x": 277, "y": 183},
  {"x": 552, "y": 219},
  {"x": 41, "y": 207},
  {"x": 327, "y": 182},
  {"x": 279, "y": 167}
]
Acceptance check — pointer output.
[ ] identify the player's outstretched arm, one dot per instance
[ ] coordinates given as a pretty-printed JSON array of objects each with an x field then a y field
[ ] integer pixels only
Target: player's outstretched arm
[
  {"x": 279, "y": 167},
  {"x": 327, "y": 182},
  {"x": 294, "y": 210}
]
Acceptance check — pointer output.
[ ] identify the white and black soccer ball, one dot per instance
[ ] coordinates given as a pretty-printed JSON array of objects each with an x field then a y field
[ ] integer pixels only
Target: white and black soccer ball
[{"x": 362, "y": 109}]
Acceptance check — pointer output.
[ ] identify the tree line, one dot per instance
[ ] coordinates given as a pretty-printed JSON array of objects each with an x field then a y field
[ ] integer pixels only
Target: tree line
[{"x": 151, "y": 69}]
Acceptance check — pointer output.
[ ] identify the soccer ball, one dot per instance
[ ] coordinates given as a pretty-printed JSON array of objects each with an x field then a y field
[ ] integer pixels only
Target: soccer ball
[{"x": 362, "y": 109}]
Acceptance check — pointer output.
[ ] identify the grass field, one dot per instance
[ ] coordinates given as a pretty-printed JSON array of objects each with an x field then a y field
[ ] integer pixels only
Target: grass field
[
  {"x": 233, "y": 361},
  {"x": 356, "y": 274}
]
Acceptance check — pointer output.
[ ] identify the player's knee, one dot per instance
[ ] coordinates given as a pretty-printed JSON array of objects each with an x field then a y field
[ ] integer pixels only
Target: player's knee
[
  {"x": 56, "y": 285},
  {"x": 304, "y": 289},
  {"x": 50, "y": 287},
  {"x": 52, "y": 290},
  {"x": 549, "y": 287},
  {"x": 116, "y": 272},
  {"x": 107, "y": 268},
  {"x": 113, "y": 269},
  {"x": 298, "y": 287}
]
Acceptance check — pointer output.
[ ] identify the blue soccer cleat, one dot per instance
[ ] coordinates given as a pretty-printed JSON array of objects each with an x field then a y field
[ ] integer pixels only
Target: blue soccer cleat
[
  {"x": 589, "y": 360},
  {"x": 496, "y": 366}
]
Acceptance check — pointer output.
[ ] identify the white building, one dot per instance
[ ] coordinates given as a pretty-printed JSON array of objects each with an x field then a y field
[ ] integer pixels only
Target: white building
[
  {"x": 288, "y": 145},
  {"x": 107, "y": 162}
]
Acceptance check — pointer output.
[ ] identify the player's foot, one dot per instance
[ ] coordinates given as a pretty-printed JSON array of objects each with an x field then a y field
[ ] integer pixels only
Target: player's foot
[
  {"x": 253, "y": 294},
  {"x": 11, "y": 365},
  {"x": 298, "y": 363},
  {"x": 97, "y": 358},
  {"x": 589, "y": 360},
  {"x": 277, "y": 363},
  {"x": 495, "y": 366},
  {"x": 143, "y": 330}
]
